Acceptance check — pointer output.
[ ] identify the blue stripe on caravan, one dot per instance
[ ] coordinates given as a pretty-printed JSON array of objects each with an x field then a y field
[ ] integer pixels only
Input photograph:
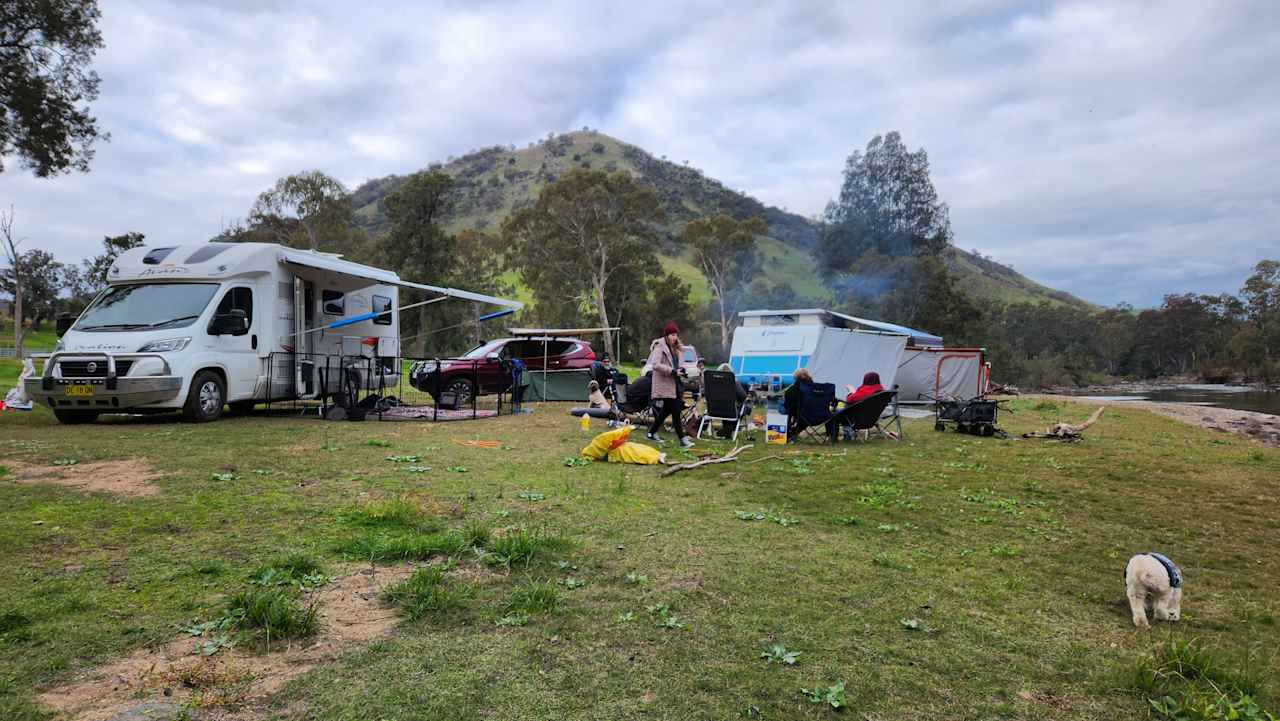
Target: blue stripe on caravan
[{"x": 760, "y": 368}]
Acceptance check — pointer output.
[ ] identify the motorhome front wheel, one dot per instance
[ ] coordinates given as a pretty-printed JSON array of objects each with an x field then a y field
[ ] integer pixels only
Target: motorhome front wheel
[{"x": 205, "y": 399}]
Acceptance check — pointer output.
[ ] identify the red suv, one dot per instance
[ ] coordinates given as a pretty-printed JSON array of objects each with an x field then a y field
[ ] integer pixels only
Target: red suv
[{"x": 455, "y": 380}]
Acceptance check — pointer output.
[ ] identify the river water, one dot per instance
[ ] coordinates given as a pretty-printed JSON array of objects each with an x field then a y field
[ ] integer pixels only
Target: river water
[{"x": 1221, "y": 396}]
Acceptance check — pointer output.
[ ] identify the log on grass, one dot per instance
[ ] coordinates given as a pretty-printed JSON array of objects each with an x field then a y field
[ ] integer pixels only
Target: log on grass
[{"x": 730, "y": 456}]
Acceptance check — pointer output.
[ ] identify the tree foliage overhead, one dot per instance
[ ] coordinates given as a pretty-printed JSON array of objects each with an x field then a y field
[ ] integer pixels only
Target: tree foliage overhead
[
  {"x": 585, "y": 231},
  {"x": 46, "y": 83},
  {"x": 725, "y": 251},
  {"x": 887, "y": 205}
]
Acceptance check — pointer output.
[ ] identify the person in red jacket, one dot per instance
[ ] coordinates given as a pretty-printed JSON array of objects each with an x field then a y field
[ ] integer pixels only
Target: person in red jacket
[{"x": 870, "y": 386}]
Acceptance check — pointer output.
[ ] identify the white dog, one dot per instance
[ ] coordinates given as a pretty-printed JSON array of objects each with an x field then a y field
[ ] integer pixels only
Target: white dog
[{"x": 1152, "y": 577}]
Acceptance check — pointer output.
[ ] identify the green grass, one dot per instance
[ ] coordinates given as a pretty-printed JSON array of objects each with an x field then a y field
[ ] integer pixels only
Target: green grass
[
  {"x": 1005, "y": 555},
  {"x": 272, "y": 614},
  {"x": 427, "y": 592},
  {"x": 10, "y": 368}
]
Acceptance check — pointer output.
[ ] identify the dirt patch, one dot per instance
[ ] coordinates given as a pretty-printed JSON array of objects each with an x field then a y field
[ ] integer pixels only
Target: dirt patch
[
  {"x": 1261, "y": 427},
  {"x": 131, "y": 479},
  {"x": 350, "y": 614}
]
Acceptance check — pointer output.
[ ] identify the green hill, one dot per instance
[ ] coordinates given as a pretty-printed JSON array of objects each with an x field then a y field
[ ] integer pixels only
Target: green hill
[{"x": 492, "y": 182}]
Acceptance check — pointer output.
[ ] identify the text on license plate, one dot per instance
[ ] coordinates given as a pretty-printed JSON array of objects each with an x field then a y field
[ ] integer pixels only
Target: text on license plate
[{"x": 79, "y": 390}]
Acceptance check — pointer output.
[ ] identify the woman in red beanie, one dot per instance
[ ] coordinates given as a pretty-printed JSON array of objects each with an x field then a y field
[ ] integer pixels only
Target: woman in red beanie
[
  {"x": 664, "y": 391},
  {"x": 870, "y": 386}
]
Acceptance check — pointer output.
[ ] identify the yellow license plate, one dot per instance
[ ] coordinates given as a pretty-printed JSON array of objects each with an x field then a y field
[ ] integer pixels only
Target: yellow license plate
[{"x": 78, "y": 390}]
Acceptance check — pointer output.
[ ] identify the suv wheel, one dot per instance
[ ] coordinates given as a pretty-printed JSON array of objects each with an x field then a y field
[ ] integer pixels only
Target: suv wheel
[
  {"x": 462, "y": 390},
  {"x": 205, "y": 399}
]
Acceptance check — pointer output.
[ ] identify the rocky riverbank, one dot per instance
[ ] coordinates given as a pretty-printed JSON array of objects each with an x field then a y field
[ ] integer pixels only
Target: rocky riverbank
[{"x": 1261, "y": 427}]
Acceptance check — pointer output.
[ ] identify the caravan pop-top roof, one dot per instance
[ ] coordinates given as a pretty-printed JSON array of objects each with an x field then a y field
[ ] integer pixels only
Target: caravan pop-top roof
[
  {"x": 821, "y": 316},
  {"x": 218, "y": 261}
]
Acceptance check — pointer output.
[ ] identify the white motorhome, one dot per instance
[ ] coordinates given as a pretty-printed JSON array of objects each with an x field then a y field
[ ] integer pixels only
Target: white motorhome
[{"x": 192, "y": 328}]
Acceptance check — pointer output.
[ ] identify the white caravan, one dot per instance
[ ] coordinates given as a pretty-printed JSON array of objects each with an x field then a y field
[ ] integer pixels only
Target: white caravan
[
  {"x": 771, "y": 345},
  {"x": 192, "y": 328}
]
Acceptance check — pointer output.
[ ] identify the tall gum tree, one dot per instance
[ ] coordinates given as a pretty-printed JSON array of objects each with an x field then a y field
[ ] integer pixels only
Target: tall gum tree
[
  {"x": 584, "y": 230},
  {"x": 725, "y": 250}
]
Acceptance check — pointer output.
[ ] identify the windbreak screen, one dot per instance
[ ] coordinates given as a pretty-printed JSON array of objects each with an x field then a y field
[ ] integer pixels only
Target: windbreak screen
[{"x": 844, "y": 356}]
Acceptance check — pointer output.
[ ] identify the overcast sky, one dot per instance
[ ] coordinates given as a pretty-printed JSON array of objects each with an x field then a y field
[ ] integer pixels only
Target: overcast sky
[{"x": 1117, "y": 151}]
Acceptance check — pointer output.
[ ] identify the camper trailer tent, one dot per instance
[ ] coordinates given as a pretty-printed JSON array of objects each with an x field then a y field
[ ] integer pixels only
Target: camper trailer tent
[
  {"x": 839, "y": 348},
  {"x": 933, "y": 373},
  {"x": 772, "y": 344}
]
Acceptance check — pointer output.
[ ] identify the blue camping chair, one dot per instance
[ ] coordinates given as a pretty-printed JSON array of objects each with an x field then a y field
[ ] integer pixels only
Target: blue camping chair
[{"x": 811, "y": 406}]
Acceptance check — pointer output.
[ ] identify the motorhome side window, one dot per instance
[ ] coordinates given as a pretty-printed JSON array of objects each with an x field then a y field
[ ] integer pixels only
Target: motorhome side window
[
  {"x": 380, "y": 304},
  {"x": 335, "y": 302},
  {"x": 238, "y": 299}
]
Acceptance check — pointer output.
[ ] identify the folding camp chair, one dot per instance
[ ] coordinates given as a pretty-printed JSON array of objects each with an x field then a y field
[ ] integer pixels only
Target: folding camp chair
[
  {"x": 721, "y": 391},
  {"x": 811, "y": 406},
  {"x": 868, "y": 414}
]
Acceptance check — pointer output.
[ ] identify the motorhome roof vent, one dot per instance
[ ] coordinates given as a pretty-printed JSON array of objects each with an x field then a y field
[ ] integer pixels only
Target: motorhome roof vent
[
  {"x": 207, "y": 252},
  {"x": 157, "y": 255}
]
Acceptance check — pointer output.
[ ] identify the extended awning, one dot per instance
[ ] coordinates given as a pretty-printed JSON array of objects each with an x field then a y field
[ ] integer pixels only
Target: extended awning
[
  {"x": 335, "y": 264},
  {"x": 556, "y": 332}
]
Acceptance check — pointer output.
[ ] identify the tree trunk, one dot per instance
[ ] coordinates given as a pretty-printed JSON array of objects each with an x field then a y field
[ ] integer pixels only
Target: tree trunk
[
  {"x": 18, "y": 334},
  {"x": 422, "y": 331},
  {"x": 724, "y": 326},
  {"x": 604, "y": 315}
]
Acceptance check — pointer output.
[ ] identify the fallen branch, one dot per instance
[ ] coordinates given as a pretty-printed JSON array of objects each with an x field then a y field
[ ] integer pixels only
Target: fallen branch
[
  {"x": 1066, "y": 432},
  {"x": 763, "y": 459},
  {"x": 730, "y": 456}
]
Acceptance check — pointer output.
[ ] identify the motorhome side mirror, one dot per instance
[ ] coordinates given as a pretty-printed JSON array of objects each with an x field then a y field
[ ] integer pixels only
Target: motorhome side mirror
[
  {"x": 64, "y": 323},
  {"x": 235, "y": 322}
]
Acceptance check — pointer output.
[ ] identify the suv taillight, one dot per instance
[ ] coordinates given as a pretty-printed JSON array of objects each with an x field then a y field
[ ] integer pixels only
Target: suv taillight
[{"x": 591, "y": 355}]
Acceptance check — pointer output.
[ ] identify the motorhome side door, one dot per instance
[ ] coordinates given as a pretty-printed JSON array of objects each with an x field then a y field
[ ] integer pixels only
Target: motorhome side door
[{"x": 237, "y": 348}]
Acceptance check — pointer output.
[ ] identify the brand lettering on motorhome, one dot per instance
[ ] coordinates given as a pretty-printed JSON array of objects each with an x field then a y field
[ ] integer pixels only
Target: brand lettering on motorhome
[{"x": 165, "y": 270}]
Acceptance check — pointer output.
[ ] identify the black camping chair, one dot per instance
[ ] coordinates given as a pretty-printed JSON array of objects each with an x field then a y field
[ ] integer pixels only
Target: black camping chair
[
  {"x": 811, "y": 406},
  {"x": 632, "y": 401},
  {"x": 721, "y": 391},
  {"x": 868, "y": 415}
]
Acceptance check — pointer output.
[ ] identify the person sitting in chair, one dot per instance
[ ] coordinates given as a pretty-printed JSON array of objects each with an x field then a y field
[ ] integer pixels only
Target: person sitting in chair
[
  {"x": 870, "y": 386},
  {"x": 742, "y": 398},
  {"x": 792, "y": 401}
]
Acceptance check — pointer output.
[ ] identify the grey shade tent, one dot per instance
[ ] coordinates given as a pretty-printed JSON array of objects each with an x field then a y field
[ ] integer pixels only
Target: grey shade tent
[{"x": 560, "y": 389}]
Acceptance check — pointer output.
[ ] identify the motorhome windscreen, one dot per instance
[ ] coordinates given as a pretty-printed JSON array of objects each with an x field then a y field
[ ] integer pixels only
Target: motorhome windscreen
[{"x": 148, "y": 306}]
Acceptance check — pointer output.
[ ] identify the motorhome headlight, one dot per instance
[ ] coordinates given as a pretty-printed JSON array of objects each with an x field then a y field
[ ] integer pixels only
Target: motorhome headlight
[
  {"x": 169, "y": 345},
  {"x": 148, "y": 367}
]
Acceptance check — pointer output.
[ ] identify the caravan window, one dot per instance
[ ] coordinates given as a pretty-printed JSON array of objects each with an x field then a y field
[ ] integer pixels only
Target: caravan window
[
  {"x": 380, "y": 304},
  {"x": 335, "y": 302}
]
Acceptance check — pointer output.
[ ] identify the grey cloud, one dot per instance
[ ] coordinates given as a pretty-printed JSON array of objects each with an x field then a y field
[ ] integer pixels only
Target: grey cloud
[{"x": 1115, "y": 150}]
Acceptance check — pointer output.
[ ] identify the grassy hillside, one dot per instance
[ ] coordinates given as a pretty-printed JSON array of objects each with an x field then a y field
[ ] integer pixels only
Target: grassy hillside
[{"x": 494, "y": 181}]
